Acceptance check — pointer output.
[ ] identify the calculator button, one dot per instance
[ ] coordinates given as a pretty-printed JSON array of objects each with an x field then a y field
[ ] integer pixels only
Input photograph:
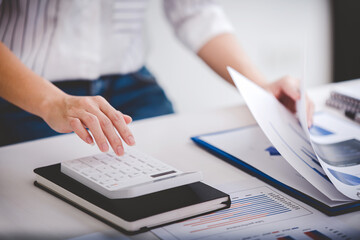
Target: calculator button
[{"x": 112, "y": 173}]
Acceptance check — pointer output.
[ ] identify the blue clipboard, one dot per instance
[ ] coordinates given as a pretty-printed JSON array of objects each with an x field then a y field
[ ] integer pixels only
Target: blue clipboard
[{"x": 328, "y": 210}]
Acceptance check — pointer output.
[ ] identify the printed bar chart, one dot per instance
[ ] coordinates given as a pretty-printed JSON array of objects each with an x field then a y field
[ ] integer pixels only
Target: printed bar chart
[
  {"x": 259, "y": 212},
  {"x": 316, "y": 235},
  {"x": 242, "y": 210},
  {"x": 250, "y": 208},
  {"x": 285, "y": 238}
]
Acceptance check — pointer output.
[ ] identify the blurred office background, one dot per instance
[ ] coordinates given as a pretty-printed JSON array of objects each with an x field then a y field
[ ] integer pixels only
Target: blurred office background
[
  {"x": 346, "y": 39},
  {"x": 274, "y": 33}
]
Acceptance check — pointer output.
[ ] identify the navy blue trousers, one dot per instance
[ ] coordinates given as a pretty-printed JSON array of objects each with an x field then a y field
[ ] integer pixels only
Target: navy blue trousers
[{"x": 136, "y": 94}]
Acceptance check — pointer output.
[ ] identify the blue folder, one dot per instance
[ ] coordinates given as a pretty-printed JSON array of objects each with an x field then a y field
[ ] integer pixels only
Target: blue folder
[{"x": 328, "y": 210}]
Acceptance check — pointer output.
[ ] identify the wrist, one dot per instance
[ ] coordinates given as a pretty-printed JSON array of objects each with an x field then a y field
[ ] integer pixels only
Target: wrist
[{"x": 51, "y": 103}]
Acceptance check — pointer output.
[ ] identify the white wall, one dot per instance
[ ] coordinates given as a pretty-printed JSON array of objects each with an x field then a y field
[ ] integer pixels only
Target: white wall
[{"x": 273, "y": 32}]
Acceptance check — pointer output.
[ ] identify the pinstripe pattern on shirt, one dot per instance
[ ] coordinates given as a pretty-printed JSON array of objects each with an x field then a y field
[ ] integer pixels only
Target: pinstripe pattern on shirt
[{"x": 83, "y": 39}]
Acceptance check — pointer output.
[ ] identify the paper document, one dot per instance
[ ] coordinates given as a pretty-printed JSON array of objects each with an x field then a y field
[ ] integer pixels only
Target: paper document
[
  {"x": 250, "y": 145},
  {"x": 337, "y": 146},
  {"x": 258, "y": 212},
  {"x": 292, "y": 141}
]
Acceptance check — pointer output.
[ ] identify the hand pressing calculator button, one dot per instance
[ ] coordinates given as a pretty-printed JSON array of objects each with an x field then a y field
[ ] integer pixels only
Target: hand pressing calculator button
[{"x": 131, "y": 175}]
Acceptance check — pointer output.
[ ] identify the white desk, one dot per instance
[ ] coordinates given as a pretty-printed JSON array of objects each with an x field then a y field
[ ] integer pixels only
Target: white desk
[{"x": 26, "y": 210}]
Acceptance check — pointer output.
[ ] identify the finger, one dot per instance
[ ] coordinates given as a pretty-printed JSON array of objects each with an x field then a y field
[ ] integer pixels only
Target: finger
[
  {"x": 93, "y": 124},
  {"x": 119, "y": 122},
  {"x": 79, "y": 129},
  {"x": 309, "y": 111},
  {"x": 127, "y": 118},
  {"x": 108, "y": 128},
  {"x": 124, "y": 131},
  {"x": 109, "y": 110},
  {"x": 290, "y": 87},
  {"x": 288, "y": 102}
]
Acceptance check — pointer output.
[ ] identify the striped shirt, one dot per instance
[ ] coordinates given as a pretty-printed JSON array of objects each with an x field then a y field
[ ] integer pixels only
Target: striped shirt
[{"x": 84, "y": 39}]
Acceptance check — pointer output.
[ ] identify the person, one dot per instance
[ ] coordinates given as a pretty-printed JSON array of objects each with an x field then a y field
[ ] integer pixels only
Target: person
[{"x": 79, "y": 66}]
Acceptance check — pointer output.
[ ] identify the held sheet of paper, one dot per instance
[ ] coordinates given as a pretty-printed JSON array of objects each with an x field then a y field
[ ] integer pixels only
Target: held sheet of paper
[
  {"x": 250, "y": 145},
  {"x": 286, "y": 134},
  {"x": 258, "y": 211}
]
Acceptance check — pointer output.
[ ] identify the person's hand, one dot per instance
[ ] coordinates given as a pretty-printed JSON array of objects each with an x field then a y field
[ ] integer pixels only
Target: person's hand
[
  {"x": 286, "y": 90},
  {"x": 74, "y": 114}
]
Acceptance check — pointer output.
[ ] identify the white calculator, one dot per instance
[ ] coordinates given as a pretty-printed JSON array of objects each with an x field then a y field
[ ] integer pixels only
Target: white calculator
[{"x": 131, "y": 175}]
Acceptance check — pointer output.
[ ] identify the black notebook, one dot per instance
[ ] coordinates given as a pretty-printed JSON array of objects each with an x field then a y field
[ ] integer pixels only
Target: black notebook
[{"x": 134, "y": 214}]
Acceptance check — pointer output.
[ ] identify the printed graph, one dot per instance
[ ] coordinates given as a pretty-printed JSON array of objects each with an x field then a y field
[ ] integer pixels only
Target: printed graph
[
  {"x": 308, "y": 157},
  {"x": 308, "y": 234},
  {"x": 242, "y": 210},
  {"x": 250, "y": 208}
]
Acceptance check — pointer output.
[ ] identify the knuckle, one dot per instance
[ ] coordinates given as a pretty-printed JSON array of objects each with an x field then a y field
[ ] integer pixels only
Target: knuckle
[
  {"x": 72, "y": 110},
  {"x": 117, "y": 115},
  {"x": 287, "y": 80},
  {"x": 73, "y": 122},
  {"x": 105, "y": 123},
  {"x": 91, "y": 119},
  {"x": 85, "y": 101},
  {"x": 125, "y": 131},
  {"x": 115, "y": 141},
  {"x": 99, "y": 98}
]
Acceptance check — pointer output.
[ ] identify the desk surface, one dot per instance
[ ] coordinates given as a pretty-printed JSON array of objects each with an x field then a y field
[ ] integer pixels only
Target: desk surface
[{"x": 27, "y": 210}]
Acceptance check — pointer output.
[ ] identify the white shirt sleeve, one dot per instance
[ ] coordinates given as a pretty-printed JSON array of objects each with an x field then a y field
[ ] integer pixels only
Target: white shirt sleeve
[{"x": 195, "y": 22}]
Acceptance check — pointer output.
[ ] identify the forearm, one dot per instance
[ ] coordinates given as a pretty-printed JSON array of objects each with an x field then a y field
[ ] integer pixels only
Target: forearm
[
  {"x": 22, "y": 87},
  {"x": 223, "y": 51}
]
